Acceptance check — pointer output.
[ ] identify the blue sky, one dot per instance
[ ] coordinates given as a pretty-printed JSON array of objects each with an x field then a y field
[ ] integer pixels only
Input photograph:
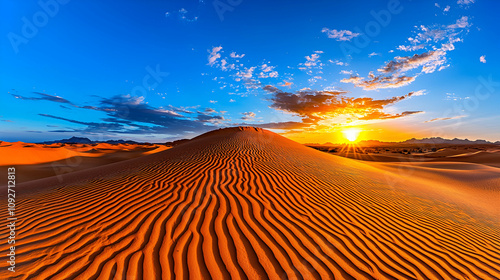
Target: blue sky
[{"x": 163, "y": 70}]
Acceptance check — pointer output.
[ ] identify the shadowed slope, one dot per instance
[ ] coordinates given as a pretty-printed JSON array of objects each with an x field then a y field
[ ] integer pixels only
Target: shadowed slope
[{"x": 244, "y": 203}]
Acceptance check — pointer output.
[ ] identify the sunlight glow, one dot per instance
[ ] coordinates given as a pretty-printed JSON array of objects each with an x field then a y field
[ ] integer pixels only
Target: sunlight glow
[{"x": 351, "y": 134}]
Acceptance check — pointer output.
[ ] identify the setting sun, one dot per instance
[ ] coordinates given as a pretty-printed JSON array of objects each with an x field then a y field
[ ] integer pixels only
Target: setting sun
[{"x": 351, "y": 134}]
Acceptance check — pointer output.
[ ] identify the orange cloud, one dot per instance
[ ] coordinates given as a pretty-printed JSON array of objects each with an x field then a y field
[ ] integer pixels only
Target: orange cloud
[{"x": 314, "y": 106}]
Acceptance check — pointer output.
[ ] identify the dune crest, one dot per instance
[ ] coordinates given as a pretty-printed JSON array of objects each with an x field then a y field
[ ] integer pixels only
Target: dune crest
[{"x": 245, "y": 203}]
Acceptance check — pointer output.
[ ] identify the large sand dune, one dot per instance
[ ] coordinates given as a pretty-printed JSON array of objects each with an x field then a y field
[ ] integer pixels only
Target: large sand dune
[{"x": 243, "y": 203}]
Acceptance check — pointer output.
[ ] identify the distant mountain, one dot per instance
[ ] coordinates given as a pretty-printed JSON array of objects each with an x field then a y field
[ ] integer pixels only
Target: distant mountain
[
  {"x": 120, "y": 142},
  {"x": 439, "y": 140},
  {"x": 83, "y": 140},
  {"x": 72, "y": 140},
  {"x": 431, "y": 141}
]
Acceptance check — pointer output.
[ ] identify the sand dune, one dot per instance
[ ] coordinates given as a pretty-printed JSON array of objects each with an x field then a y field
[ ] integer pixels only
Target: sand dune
[
  {"x": 20, "y": 153},
  {"x": 24, "y": 153},
  {"x": 243, "y": 203},
  {"x": 36, "y": 161}
]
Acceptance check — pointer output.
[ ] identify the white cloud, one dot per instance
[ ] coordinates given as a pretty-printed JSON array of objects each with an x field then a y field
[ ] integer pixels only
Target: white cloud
[
  {"x": 338, "y": 62},
  {"x": 410, "y": 48},
  {"x": 465, "y": 2},
  {"x": 425, "y": 36},
  {"x": 482, "y": 59},
  {"x": 268, "y": 71},
  {"x": 247, "y": 73},
  {"x": 346, "y": 72},
  {"x": 462, "y": 22},
  {"x": 453, "y": 97},
  {"x": 373, "y": 54},
  {"x": 248, "y": 116},
  {"x": 429, "y": 61},
  {"x": 419, "y": 92},
  {"x": 234, "y": 55},
  {"x": 312, "y": 60},
  {"x": 214, "y": 55},
  {"x": 339, "y": 35},
  {"x": 448, "y": 47},
  {"x": 224, "y": 65}
]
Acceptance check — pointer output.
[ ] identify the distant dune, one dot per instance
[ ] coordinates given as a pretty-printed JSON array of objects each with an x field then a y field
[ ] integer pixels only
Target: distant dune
[
  {"x": 36, "y": 161},
  {"x": 245, "y": 203}
]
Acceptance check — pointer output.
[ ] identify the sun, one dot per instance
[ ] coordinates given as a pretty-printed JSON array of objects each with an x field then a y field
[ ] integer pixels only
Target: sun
[{"x": 351, "y": 134}]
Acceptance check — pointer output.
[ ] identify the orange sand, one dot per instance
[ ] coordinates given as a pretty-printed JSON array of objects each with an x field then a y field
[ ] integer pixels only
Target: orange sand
[
  {"x": 242, "y": 203},
  {"x": 20, "y": 153}
]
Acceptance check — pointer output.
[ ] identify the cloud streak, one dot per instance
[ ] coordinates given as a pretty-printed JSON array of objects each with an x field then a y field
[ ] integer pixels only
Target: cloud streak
[
  {"x": 43, "y": 97},
  {"x": 447, "y": 118}
]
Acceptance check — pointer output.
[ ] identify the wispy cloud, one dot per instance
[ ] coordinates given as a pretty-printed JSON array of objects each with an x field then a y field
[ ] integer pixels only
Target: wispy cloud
[
  {"x": 43, "y": 97},
  {"x": 426, "y": 36},
  {"x": 379, "y": 82},
  {"x": 429, "y": 61},
  {"x": 454, "y": 97},
  {"x": 182, "y": 15},
  {"x": 465, "y": 2},
  {"x": 447, "y": 118},
  {"x": 462, "y": 22},
  {"x": 339, "y": 35},
  {"x": 394, "y": 73},
  {"x": 410, "y": 48}
]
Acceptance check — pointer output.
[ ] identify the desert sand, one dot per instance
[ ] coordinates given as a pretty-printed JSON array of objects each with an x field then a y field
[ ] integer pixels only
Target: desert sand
[
  {"x": 245, "y": 203},
  {"x": 36, "y": 161}
]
